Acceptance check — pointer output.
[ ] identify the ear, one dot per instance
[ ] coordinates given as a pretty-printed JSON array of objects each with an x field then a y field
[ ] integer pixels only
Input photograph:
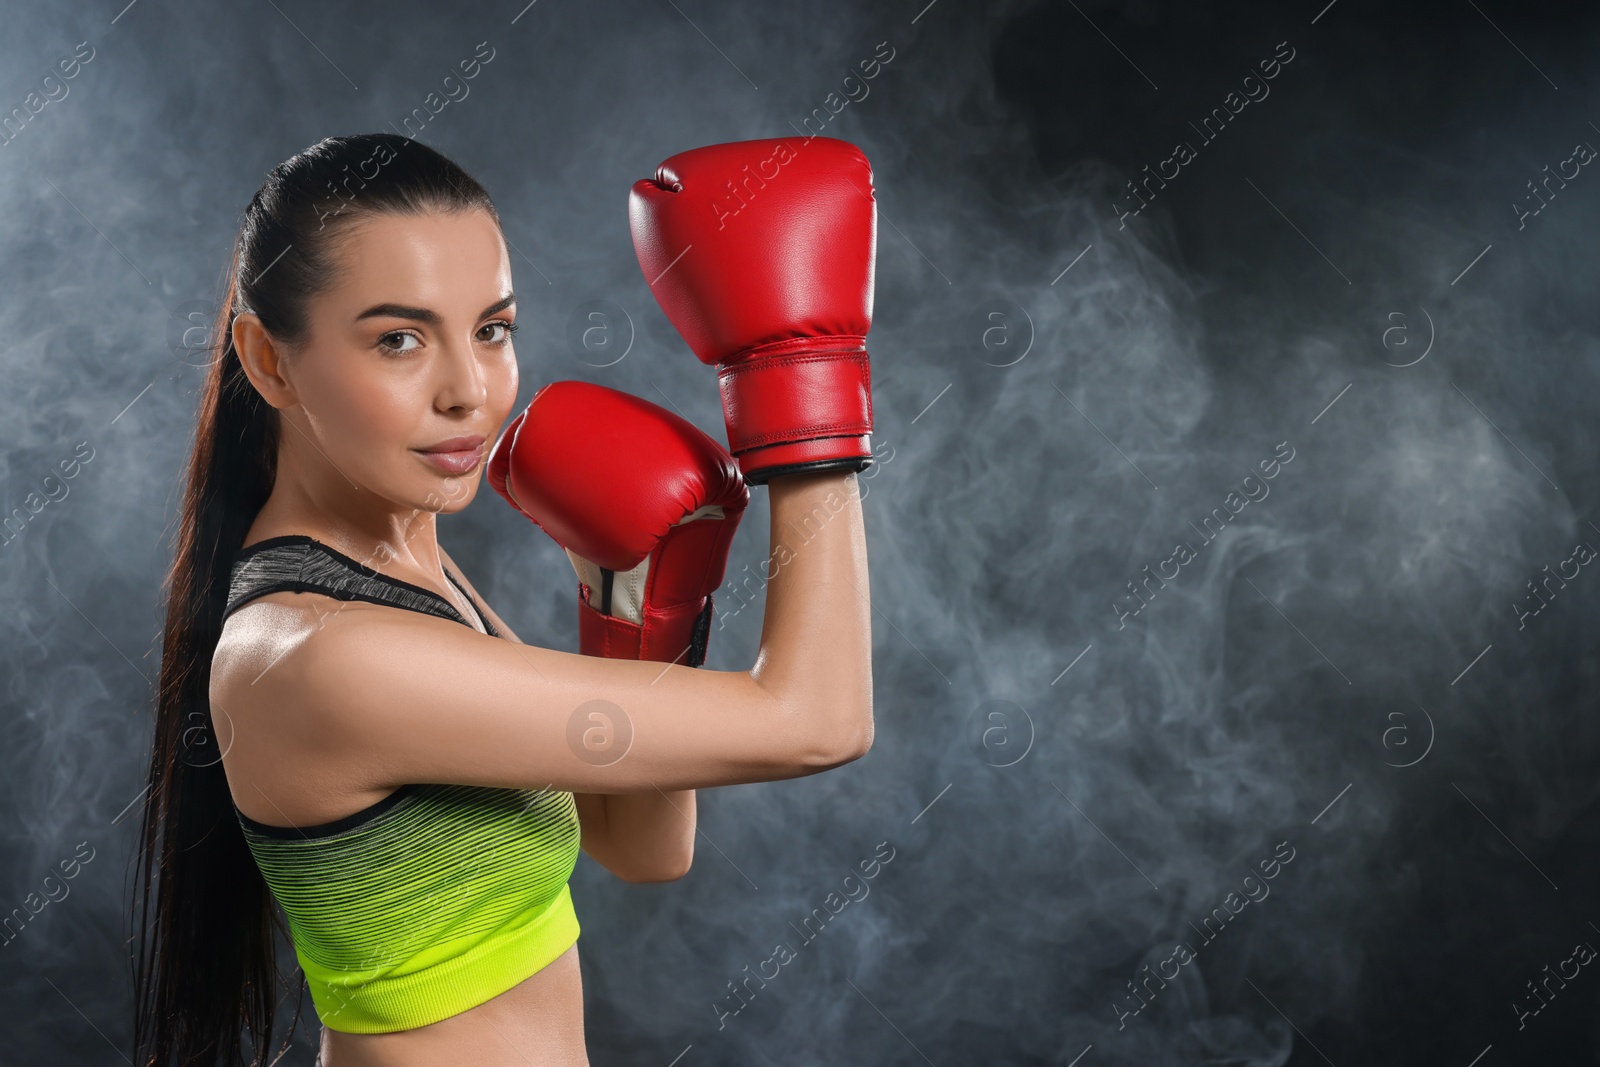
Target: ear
[{"x": 262, "y": 359}]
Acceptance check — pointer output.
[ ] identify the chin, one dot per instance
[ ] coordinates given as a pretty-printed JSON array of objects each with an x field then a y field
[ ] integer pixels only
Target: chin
[{"x": 446, "y": 496}]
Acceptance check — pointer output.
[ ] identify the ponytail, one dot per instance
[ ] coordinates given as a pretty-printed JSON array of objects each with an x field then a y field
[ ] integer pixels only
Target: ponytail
[{"x": 205, "y": 969}]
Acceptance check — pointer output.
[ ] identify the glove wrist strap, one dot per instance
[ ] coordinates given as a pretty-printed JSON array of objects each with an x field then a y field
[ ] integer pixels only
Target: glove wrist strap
[{"x": 797, "y": 389}]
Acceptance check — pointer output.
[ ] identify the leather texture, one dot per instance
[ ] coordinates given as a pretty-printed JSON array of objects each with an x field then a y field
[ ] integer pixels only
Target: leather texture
[
  {"x": 762, "y": 254},
  {"x": 626, "y": 486}
]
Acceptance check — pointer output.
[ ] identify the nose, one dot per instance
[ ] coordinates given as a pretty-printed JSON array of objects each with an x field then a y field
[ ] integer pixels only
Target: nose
[{"x": 462, "y": 385}]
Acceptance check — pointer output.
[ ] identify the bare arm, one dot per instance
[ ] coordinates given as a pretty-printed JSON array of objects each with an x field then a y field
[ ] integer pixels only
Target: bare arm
[
  {"x": 639, "y": 837},
  {"x": 389, "y": 698}
]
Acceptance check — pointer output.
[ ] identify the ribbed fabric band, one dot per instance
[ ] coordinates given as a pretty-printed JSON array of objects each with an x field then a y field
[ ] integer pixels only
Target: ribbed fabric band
[{"x": 355, "y": 1005}]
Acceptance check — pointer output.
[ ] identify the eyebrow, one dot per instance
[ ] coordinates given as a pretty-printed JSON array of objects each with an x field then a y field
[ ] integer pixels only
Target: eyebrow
[{"x": 428, "y": 315}]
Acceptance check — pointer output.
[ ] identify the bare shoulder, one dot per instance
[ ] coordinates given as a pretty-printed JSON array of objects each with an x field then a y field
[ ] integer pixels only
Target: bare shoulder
[
  {"x": 255, "y": 657},
  {"x": 280, "y": 663},
  {"x": 287, "y": 652}
]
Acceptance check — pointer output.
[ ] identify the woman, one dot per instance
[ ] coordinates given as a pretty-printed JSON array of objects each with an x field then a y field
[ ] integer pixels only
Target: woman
[{"x": 364, "y": 364}]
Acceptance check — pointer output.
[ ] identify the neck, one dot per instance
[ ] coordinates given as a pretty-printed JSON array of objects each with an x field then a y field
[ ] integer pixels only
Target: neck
[{"x": 369, "y": 529}]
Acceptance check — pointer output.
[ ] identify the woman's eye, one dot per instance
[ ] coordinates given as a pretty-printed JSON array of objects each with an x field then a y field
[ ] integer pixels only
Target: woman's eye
[
  {"x": 506, "y": 330},
  {"x": 399, "y": 339}
]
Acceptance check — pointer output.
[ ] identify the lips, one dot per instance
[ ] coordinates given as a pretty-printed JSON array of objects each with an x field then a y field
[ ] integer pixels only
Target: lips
[
  {"x": 457, "y": 455},
  {"x": 456, "y": 444}
]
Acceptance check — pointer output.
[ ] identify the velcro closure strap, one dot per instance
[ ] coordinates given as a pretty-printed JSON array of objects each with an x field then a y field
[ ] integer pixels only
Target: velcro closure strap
[{"x": 796, "y": 390}]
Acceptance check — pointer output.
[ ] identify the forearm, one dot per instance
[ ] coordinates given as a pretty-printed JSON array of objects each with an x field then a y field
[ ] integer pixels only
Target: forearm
[
  {"x": 816, "y": 642},
  {"x": 645, "y": 837}
]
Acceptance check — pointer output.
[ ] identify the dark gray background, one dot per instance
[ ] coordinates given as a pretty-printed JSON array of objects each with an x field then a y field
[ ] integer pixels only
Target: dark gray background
[{"x": 1342, "y": 668}]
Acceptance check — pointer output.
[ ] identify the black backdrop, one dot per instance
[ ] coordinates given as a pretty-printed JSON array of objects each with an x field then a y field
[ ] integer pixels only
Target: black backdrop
[{"x": 1304, "y": 288}]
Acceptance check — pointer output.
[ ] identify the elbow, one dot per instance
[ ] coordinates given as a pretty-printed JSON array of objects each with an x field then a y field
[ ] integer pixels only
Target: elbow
[
  {"x": 845, "y": 745},
  {"x": 821, "y": 728},
  {"x": 660, "y": 872},
  {"x": 857, "y": 742},
  {"x": 668, "y": 862}
]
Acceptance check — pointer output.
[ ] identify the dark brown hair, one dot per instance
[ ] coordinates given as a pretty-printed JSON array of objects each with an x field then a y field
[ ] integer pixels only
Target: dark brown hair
[{"x": 205, "y": 976}]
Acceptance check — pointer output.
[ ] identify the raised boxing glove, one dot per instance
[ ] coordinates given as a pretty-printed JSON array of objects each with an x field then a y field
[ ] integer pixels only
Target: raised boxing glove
[
  {"x": 762, "y": 254},
  {"x": 644, "y": 504}
]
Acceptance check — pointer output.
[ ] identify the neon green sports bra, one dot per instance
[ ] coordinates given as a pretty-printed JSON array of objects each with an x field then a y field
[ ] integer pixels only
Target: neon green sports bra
[{"x": 434, "y": 899}]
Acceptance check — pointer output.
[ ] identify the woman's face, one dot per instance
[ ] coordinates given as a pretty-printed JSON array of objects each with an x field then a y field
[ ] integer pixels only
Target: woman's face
[{"x": 408, "y": 371}]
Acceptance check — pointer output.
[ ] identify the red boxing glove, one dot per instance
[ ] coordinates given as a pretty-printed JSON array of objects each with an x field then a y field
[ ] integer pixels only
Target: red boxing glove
[
  {"x": 644, "y": 504},
  {"x": 762, "y": 255}
]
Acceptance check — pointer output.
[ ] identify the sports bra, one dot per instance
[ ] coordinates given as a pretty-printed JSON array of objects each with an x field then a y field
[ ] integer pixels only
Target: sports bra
[{"x": 434, "y": 899}]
